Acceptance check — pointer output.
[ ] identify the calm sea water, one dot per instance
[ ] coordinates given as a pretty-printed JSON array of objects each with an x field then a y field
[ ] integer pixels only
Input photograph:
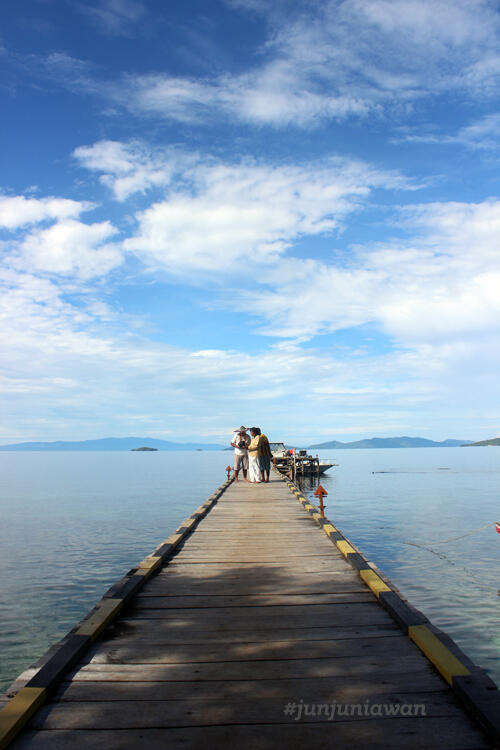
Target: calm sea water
[
  {"x": 390, "y": 500},
  {"x": 73, "y": 523}
]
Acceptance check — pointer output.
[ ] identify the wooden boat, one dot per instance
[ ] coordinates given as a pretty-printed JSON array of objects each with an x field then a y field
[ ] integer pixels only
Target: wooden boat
[{"x": 300, "y": 462}]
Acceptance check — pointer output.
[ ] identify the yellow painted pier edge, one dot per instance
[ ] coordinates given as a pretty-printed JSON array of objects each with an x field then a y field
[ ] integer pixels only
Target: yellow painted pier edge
[
  {"x": 18, "y": 712},
  {"x": 477, "y": 692},
  {"x": 19, "y": 709}
]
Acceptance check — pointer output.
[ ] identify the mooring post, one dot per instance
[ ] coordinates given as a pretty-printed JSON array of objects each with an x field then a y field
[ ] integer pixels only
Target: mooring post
[
  {"x": 319, "y": 493},
  {"x": 228, "y": 469}
]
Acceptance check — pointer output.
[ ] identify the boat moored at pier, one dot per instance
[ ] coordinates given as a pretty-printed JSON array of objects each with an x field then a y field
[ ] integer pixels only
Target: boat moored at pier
[{"x": 297, "y": 462}]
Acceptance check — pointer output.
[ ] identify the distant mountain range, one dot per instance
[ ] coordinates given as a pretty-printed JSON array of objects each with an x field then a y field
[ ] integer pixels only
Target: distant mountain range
[
  {"x": 395, "y": 442},
  {"x": 133, "y": 443},
  {"x": 112, "y": 444},
  {"x": 493, "y": 441}
]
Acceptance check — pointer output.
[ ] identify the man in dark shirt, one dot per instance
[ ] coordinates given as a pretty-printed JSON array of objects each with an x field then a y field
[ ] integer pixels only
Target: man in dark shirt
[{"x": 264, "y": 456}]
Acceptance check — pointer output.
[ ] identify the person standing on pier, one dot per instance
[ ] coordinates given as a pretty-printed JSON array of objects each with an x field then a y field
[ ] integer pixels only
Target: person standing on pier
[
  {"x": 265, "y": 456},
  {"x": 254, "y": 474},
  {"x": 240, "y": 443}
]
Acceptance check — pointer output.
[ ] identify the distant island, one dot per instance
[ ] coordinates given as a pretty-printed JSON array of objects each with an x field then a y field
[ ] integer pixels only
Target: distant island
[
  {"x": 145, "y": 448},
  {"x": 493, "y": 441},
  {"x": 395, "y": 442},
  {"x": 111, "y": 444}
]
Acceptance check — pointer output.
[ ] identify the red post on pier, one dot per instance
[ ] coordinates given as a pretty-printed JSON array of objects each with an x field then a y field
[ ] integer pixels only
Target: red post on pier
[
  {"x": 228, "y": 469},
  {"x": 319, "y": 493}
]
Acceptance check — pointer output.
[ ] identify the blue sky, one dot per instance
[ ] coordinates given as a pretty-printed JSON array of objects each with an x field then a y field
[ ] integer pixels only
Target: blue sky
[{"x": 268, "y": 212}]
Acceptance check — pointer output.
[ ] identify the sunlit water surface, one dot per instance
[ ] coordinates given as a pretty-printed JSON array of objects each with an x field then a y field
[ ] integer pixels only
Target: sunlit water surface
[
  {"x": 73, "y": 523},
  {"x": 388, "y": 501}
]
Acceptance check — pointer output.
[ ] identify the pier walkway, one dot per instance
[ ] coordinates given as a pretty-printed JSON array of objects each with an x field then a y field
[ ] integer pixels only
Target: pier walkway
[{"x": 255, "y": 621}]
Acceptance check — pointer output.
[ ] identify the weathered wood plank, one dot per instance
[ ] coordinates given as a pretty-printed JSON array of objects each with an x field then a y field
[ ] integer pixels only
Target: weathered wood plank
[
  {"x": 319, "y": 690},
  {"x": 260, "y": 555},
  {"x": 166, "y": 586},
  {"x": 155, "y": 714},
  {"x": 259, "y": 623},
  {"x": 159, "y": 631},
  {"x": 257, "y": 550},
  {"x": 253, "y": 619},
  {"x": 256, "y": 574},
  {"x": 195, "y": 576},
  {"x": 382, "y": 734},
  {"x": 237, "y": 603},
  {"x": 258, "y": 670},
  {"x": 313, "y": 564},
  {"x": 152, "y": 653}
]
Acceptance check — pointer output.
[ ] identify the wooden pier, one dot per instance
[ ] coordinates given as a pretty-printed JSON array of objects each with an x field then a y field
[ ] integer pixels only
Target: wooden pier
[{"x": 252, "y": 624}]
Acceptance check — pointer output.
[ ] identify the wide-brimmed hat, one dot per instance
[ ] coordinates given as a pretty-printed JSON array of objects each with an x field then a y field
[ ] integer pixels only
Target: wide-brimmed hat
[{"x": 241, "y": 429}]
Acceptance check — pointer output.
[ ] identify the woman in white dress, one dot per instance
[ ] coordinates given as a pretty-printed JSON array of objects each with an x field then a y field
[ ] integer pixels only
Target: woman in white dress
[{"x": 254, "y": 473}]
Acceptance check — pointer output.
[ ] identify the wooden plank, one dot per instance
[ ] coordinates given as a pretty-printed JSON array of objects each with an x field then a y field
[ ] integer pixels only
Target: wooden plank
[
  {"x": 279, "y": 613},
  {"x": 253, "y": 600},
  {"x": 342, "y": 689},
  {"x": 170, "y": 586},
  {"x": 270, "y": 594},
  {"x": 156, "y": 714},
  {"x": 153, "y": 653},
  {"x": 258, "y": 670},
  {"x": 380, "y": 734},
  {"x": 237, "y": 603},
  {"x": 258, "y": 577},
  {"x": 209, "y": 530},
  {"x": 296, "y": 557},
  {"x": 258, "y": 574},
  {"x": 259, "y": 546},
  {"x": 313, "y": 564},
  {"x": 307, "y": 620},
  {"x": 294, "y": 548},
  {"x": 160, "y": 631},
  {"x": 265, "y": 525}
]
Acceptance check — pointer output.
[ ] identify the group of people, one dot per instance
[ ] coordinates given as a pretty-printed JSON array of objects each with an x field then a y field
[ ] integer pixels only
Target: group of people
[{"x": 252, "y": 455}]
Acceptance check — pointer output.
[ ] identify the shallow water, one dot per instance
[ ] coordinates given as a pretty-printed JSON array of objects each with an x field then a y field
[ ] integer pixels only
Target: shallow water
[
  {"x": 73, "y": 523},
  {"x": 399, "y": 505}
]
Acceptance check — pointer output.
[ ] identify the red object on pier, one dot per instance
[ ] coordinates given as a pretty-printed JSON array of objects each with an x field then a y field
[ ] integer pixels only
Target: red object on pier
[
  {"x": 319, "y": 492},
  {"x": 228, "y": 469}
]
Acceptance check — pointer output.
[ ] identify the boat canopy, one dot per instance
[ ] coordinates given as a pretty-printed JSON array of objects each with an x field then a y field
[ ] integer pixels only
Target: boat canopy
[{"x": 277, "y": 448}]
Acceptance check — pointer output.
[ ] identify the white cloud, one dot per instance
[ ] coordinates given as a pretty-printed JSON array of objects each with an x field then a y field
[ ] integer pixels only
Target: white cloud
[
  {"x": 70, "y": 247},
  {"x": 238, "y": 216},
  {"x": 128, "y": 168},
  {"x": 77, "y": 75},
  {"x": 440, "y": 288},
  {"x": 320, "y": 61},
  {"x": 49, "y": 238},
  {"x": 278, "y": 94},
  {"x": 87, "y": 371},
  {"x": 436, "y": 296},
  {"x": 18, "y": 211},
  {"x": 482, "y": 135},
  {"x": 332, "y": 60},
  {"x": 112, "y": 16}
]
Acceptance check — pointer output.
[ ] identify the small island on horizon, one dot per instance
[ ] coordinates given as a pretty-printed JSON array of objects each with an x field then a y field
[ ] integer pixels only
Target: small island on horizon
[{"x": 144, "y": 448}]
